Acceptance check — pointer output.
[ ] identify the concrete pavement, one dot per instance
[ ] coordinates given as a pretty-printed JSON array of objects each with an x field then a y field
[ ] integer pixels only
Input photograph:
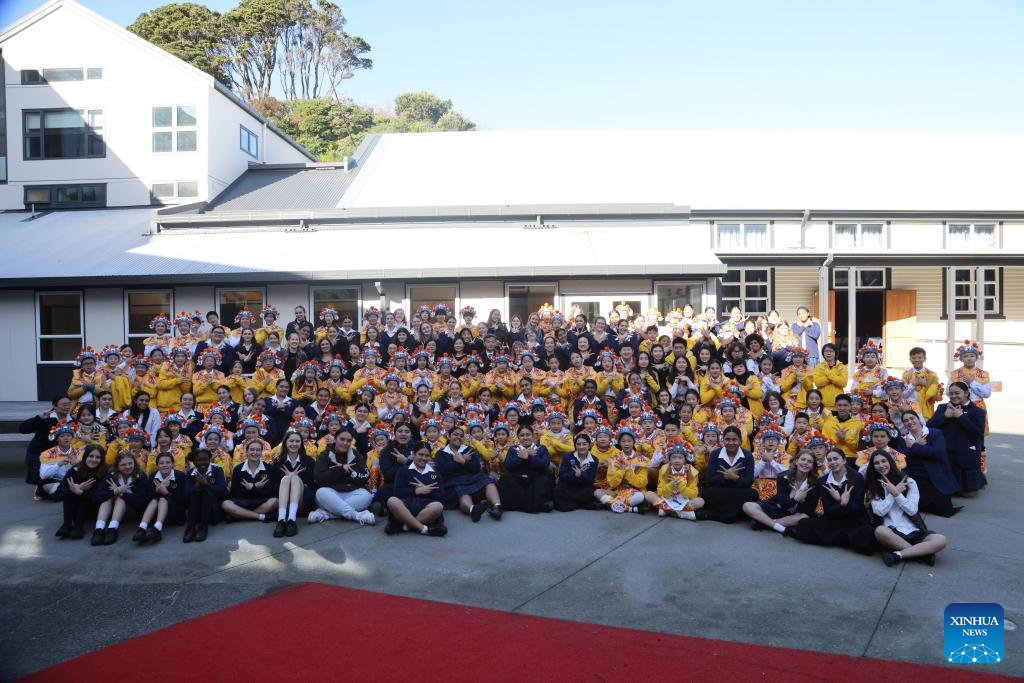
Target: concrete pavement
[{"x": 702, "y": 579}]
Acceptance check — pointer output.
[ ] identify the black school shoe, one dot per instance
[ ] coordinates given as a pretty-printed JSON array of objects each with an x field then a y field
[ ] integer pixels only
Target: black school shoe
[
  {"x": 495, "y": 512},
  {"x": 140, "y": 535},
  {"x": 890, "y": 559},
  {"x": 190, "y": 535},
  {"x": 155, "y": 535},
  {"x": 201, "y": 532},
  {"x": 291, "y": 528},
  {"x": 393, "y": 527},
  {"x": 279, "y": 529},
  {"x": 109, "y": 536},
  {"x": 929, "y": 560},
  {"x": 478, "y": 511},
  {"x": 64, "y": 531},
  {"x": 437, "y": 530},
  {"x": 76, "y": 532},
  {"x": 97, "y": 537}
]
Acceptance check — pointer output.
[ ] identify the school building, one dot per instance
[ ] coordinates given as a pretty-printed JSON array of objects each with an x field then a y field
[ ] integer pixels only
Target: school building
[{"x": 158, "y": 190}]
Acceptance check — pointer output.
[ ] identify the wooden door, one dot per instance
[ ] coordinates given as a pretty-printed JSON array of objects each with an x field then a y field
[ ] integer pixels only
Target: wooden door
[
  {"x": 830, "y": 332},
  {"x": 900, "y": 328}
]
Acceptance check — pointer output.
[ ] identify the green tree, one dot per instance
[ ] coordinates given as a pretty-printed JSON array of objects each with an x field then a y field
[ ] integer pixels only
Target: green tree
[
  {"x": 317, "y": 53},
  {"x": 191, "y": 32},
  {"x": 421, "y": 106},
  {"x": 255, "y": 29}
]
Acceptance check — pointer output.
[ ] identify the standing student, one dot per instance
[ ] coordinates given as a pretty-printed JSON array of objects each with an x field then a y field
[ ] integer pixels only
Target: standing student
[
  {"x": 416, "y": 503},
  {"x": 928, "y": 463},
  {"x": 462, "y": 468},
  {"x": 526, "y": 486},
  {"x": 170, "y": 496},
  {"x": 293, "y": 470},
  {"x": 343, "y": 480},
  {"x": 830, "y": 376},
  {"x": 207, "y": 490},
  {"x": 75, "y": 492},
  {"x": 845, "y": 519},
  {"x": 125, "y": 487},
  {"x": 808, "y": 331},
  {"x": 894, "y": 501},
  {"x": 251, "y": 495},
  {"x": 922, "y": 384},
  {"x": 728, "y": 480},
  {"x": 796, "y": 496},
  {"x": 962, "y": 424},
  {"x": 574, "y": 486}
]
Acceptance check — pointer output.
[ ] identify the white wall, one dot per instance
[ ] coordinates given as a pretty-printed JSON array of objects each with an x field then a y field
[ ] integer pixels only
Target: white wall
[
  {"x": 286, "y": 297},
  {"x": 193, "y": 298},
  {"x": 104, "y": 317},
  {"x": 911, "y": 237},
  {"x": 18, "y": 345},
  {"x": 483, "y": 295}
]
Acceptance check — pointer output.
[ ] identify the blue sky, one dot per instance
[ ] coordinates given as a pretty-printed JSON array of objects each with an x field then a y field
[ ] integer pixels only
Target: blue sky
[{"x": 733, "y": 64}]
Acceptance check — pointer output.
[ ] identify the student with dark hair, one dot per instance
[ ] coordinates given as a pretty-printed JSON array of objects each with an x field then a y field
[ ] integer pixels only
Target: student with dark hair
[
  {"x": 125, "y": 487},
  {"x": 526, "y": 486},
  {"x": 168, "y": 504},
  {"x": 39, "y": 427},
  {"x": 796, "y": 497},
  {"x": 76, "y": 492},
  {"x": 962, "y": 424},
  {"x": 728, "y": 478},
  {"x": 574, "y": 485},
  {"x": 845, "y": 519},
  {"x": 207, "y": 490},
  {"x": 928, "y": 463},
  {"x": 416, "y": 503},
  {"x": 467, "y": 486},
  {"x": 251, "y": 496}
]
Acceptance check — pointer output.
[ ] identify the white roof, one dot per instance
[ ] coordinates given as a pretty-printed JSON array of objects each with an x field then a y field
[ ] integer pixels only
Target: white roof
[
  {"x": 705, "y": 170},
  {"x": 112, "y": 243}
]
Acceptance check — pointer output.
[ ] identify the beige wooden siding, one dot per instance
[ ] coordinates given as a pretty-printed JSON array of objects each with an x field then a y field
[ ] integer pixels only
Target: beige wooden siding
[{"x": 794, "y": 287}]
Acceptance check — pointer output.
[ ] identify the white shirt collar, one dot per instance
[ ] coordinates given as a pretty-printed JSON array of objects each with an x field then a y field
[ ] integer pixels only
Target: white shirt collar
[
  {"x": 160, "y": 477},
  {"x": 585, "y": 461},
  {"x": 831, "y": 480},
  {"x": 724, "y": 455},
  {"x": 427, "y": 469},
  {"x": 259, "y": 468}
]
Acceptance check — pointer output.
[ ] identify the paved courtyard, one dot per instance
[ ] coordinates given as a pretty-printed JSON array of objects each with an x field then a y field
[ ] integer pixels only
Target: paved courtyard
[{"x": 704, "y": 579}]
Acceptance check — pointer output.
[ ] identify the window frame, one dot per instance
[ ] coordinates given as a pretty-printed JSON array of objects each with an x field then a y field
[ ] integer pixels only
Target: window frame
[
  {"x": 506, "y": 314},
  {"x": 128, "y": 334},
  {"x": 697, "y": 307},
  {"x": 457, "y": 304},
  {"x": 886, "y": 279},
  {"x": 174, "y": 128},
  {"x": 54, "y": 204},
  {"x": 258, "y": 323},
  {"x": 242, "y": 130},
  {"x": 43, "y": 80},
  {"x": 997, "y": 234},
  {"x": 39, "y": 325},
  {"x": 858, "y": 240},
  {"x": 312, "y": 313},
  {"x": 742, "y": 283},
  {"x": 173, "y": 198},
  {"x": 998, "y": 314},
  {"x": 768, "y": 235},
  {"x": 87, "y": 130}
]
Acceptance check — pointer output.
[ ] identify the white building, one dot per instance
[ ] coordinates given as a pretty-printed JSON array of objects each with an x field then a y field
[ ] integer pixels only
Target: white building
[
  {"x": 919, "y": 224},
  {"x": 98, "y": 117}
]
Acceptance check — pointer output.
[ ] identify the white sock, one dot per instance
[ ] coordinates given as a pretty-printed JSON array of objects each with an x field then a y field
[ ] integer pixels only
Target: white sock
[
  {"x": 778, "y": 527},
  {"x": 293, "y": 511},
  {"x": 280, "y": 514},
  {"x": 898, "y": 554},
  {"x": 636, "y": 499},
  {"x": 605, "y": 498},
  {"x": 159, "y": 526},
  {"x": 424, "y": 529},
  {"x": 262, "y": 516},
  {"x": 113, "y": 525},
  {"x": 143, "y": 526},
  {"x": 100, "y": 524}
]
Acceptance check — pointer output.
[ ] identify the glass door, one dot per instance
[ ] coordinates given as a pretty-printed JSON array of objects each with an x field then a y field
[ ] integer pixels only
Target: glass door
[{"x": 594, "y": 306}]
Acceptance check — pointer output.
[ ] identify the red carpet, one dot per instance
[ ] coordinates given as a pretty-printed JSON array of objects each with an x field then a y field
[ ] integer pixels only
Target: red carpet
[{"x": 318, "y": 632}]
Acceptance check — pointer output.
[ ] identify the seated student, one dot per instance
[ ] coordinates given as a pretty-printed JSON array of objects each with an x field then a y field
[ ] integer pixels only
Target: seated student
[
  {"x": 880, "y": 434},
  {"x": 343, "y": 480},
  {"x": 928, "y": 464},
  {"x": 251, "y": 494},
  {"x": 677, "y": 494},
  {"x": 626, "y": 479},
  {"x": 526, "y": 485},
  {"x": 56, "y": 462},
  {"x": 574, "y": 486},
  {"x": 293, "y": 470},
  {"x": 728, "y": 480},
  {"x": 796, "y": 496},
  {"x": 770, "y": 462},
  {"x": 467, "y": 486},
  {"x": 170, "y": 496},
  {"x": 894, "y": 498},
  {"x": 125, "y": 486},
  {"x": 76, "y": 491},
  {"x": 418, "y": 492},
  {"x": 208, "y": 488},
  {"x": 843, "y": 429},
  {"x": 962, "y": 424},
  {"x": 845, "y": 520},
  {"x": 396, "y": 455}
]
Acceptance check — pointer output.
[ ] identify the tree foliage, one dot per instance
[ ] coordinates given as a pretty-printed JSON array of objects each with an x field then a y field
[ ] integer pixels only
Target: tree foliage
[{"x": 191, "y": 32}]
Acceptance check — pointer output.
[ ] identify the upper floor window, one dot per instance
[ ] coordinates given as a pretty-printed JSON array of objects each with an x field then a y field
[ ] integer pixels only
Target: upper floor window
[
  {"x": 65, "y": 196},
  {"x": 249, "y": 142},
  {"x": 971, "y": 236},
  {"x": 44, "y": 76},
  {"x": 858, "y": 235},
  {"x": 742, "y": 235},
  {"x": 174, "y": 129},
  {"x": 63, "y": 133},
  {"x": 965, "y": 294},
  {"x": 867, "y": 278}
]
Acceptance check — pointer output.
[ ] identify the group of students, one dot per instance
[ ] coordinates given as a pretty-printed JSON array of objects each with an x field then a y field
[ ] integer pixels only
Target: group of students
[{"x": 693, "y": 419}]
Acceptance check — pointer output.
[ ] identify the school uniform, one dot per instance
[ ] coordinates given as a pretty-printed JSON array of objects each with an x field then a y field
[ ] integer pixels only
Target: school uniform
[
  {"x": 227, "y": 355},
  {"x": 250, "y": 499},
  {"x": 406, "y": 480},
  {"x": 136, "y": 498},
  {"x": 39, "y": 428},
  {"x": 575, "y": 491},
  {"x": 279, "y": 417},
  {"x": 178, "y": 492},
  {"x": 304, "y": 462},
  {"x": 583, "y": 402},
  {"x": 928, "y": 464},
  {"x": 342, "y": 494},
  {"x": 845, "y": 526},
  {"x": 900, "y": 513},
  {"x": 389, "y": 467},
  {"x": 203, "y": 507},
  {"x": 782, "y": 503},
  {"x": 724, "y": 498},
  {"x": 526, "y": 486},
  {"x": 965, "y": 443},
  {"x": 461, "y": 479},
  {"x": 78, "y": 509}
]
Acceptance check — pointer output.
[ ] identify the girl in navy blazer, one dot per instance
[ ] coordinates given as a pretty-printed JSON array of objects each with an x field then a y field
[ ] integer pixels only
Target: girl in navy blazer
[
  {"x": 207, "y": 490},
  {"x": 845, "y": 520},
  {"x": 462, "y": 468},
  {"x": 526, "y": 486},
  {"x": 728, "y": 478},
  {"x": 928, "y": 464},
  {"x": 124, "y": 487},
  {"x": 416, "y": 504},
  {"x": 170, "y": 495},
  {"x": 574, "y": 486},
  {"x": 293, "y": 470},
  {"x": 963, "y": 425},
  {"x": 796, "y": 497}
]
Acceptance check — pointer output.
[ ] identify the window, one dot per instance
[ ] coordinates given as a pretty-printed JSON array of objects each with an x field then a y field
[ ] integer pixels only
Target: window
[
  {"x": 140, "y": 308},
  {"x": 868, "y": 278},
  {"x": 524, "y": 300},
  {"x": 249, "y": 142},
  {"x": 63, "y": 133},
  {"x": 3, "y": 121},
  {"x": 231, "y": 301},
  {"x": 966, "y": 292},
  {"x": 184, "y": 189},
  {"x": 44, "y": 76},
  {"x": 59, "y": 321},
  {"x": 345, "y": 299},
  {"x": 748, "y": 288},
  {"x": 94, "y": 74},
  {"x": 432, "y": 295},
  {"x": 673, "y": 295},
  {"x": 858, "y": 235},
  {"x": 175, "y": 129},
  {"x": 963, "y": 236},
  {"x": 65, "y": 196},
  {"x": 738, "y": 236}
]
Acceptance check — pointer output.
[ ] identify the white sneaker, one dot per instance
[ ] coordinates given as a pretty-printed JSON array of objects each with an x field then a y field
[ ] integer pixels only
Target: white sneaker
[
  {"x": 366, "y": 517},
  {"x": 318, "y": 515},
  {"x": 688, "y": 514}
]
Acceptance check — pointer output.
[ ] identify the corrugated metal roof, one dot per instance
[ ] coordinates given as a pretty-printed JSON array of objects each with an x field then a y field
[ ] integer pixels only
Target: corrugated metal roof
[
  {"x": 111, "y": 244},
  {"x": 280, "y": 189}
]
